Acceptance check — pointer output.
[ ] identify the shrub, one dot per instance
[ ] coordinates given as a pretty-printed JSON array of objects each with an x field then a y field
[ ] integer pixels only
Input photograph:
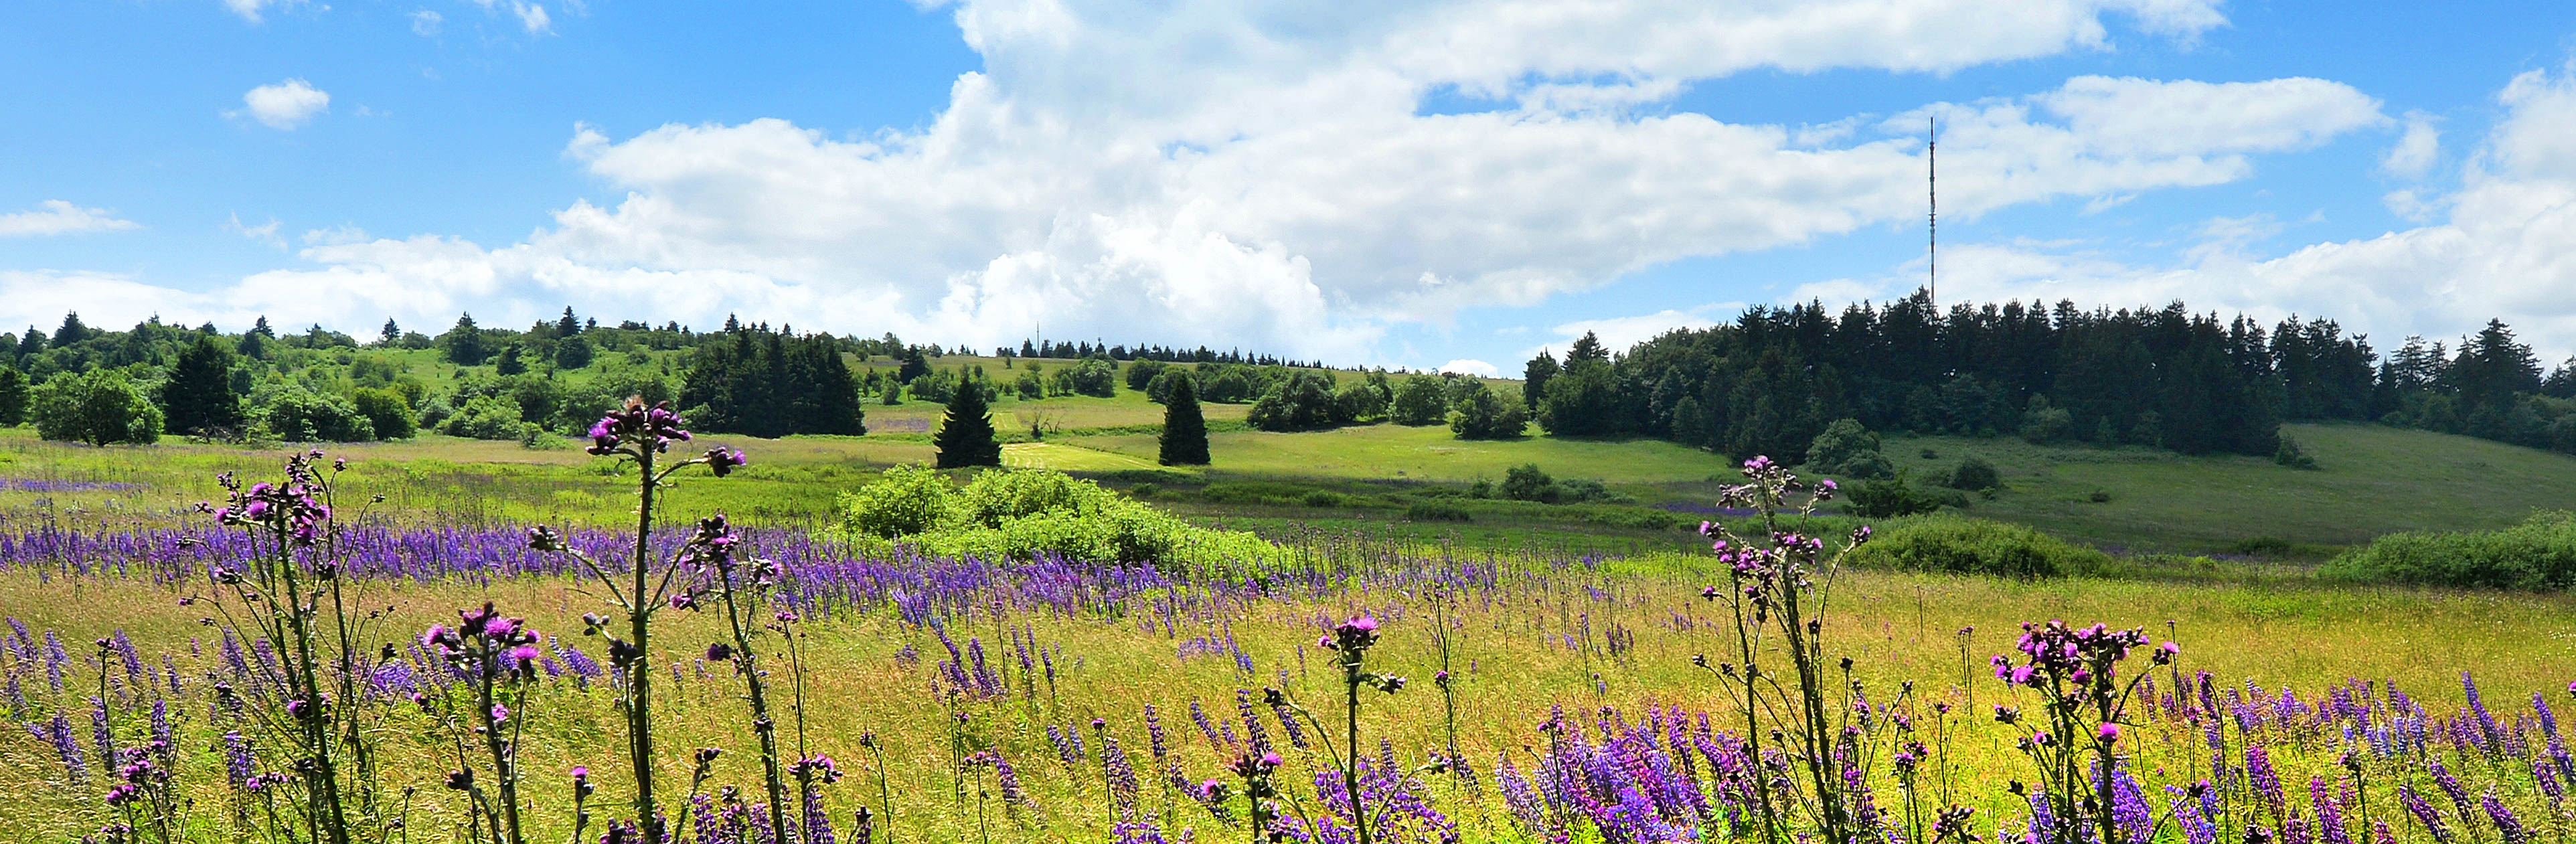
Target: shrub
[
  {"x": 1144, "y": 491},
  {"x": 1436, "y": 511},
  {"x": 1024, "y": 514},
  {"x": 2042, "y": 423},
  {"x": 486, "y": 418},
  {"x": 1889, "y": 498},
  {"x": 298, "y": 415},
  {"x": 910, "y": 499},
  {"x": 1589, "y": 491},
  {"x": 1526, "y": 483},
  {"x": 386, "y": 411},
  {"x": 1845, "y": 449},
  {"x": 2538, "y": 554},
  {"x": 1419, "y": 401},
  {"x": 2099, "y": 496},
  {"x": 1141, "y": 374},
  {"x": 98, "y": 407},
  {"x": 1486, "y": 415},
  {"x": 1974, "y": 474},
  {"x": 1963, "y": 545},
  {"x": 1324, "y": 498},
  {"x": 1302, "y": 402},
  {"x": 2291, "y": 455}
]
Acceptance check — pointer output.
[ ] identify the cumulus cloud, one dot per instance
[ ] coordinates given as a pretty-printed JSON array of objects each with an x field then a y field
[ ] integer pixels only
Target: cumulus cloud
[
  {"x": 426, "y": 23},
  {"x": 255, "y": 10},
  {"x": 1214, "y": 175},
  {"x": 1471, "y": 366},
  {"x": 286, "y": 105},
  {"x": 54, "y": 216},
  {"x": 2504, "y": 245},
  {"x": 1619, "y": 333},
  {"x": 2416, "y": 151}
]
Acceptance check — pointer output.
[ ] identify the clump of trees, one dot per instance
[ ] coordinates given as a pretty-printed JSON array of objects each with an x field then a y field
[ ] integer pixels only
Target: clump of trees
[{"x": 771, "y": 384}]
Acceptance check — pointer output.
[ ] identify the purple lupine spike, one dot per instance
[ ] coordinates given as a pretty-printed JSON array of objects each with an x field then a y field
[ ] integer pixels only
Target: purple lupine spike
[
  {"x": 2424, "y": 813},
  {"x": 2330, "y": 826},
  {"x": 2507, "y": 826}
]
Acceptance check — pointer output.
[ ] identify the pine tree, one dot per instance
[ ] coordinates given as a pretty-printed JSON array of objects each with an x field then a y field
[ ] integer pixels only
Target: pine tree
[
  {"x": 464, "y": 343},
  {"x": 509, "y": 363},
  {"x": 32, "y": 343},
  {"x": 13, "y": 397},
  {"x": 1184, "y": 440},
  {"x": 73, "y": 331},
  {"x": 567, "y": 326},
  {"x": 390, "y": 335},
  {"x": 199, "y": 398},
  {"x": 966, "y": 437}
]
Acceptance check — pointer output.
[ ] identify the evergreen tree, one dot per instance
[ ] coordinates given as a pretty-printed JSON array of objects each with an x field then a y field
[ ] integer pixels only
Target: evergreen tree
[
  {"x": 30, "y": 344},
  {"x": 1534, "y": 378},
  {"x": 198, "y": 398},
  {"x": 73, "y": 331},
  {"x": 573, "y": 352},
  {"x": 567, "y": 326},
  {"x": 464, "y": 343},
  {"x": 260, "y": 327},
  {"x": 390, "y": 334},
  {"x": 1184, "y": 441},
  {"x": 13, "y": 396},
  {"x": 508, "y": 363},
  {"x": 966, "y": 437}
]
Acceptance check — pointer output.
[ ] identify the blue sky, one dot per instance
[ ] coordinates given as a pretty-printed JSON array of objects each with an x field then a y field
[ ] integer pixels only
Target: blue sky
[{"x": 1405, "y": 184}]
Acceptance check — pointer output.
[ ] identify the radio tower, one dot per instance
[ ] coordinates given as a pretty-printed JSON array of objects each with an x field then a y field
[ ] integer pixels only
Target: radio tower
[{"x": 1932, "y": 189}]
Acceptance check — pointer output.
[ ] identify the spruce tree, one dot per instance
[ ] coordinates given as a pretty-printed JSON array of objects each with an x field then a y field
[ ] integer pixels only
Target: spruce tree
[
  {"x": 966, "y": 437},
  {"x": 199, "y": 395},
  {"x": 13, "y": 397},
  {"x": 1184, "y": 439},
  {"x": 73, "y": 330},
  {"x": 464, "y": 343}
]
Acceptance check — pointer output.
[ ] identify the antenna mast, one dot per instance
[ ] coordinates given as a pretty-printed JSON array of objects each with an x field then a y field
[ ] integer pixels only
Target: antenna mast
[{"x": 1932, "y": 189}]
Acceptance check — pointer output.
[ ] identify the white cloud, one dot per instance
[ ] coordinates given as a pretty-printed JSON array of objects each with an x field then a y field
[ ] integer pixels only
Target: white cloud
[
  {"x": 54, "y": 216},
  {"x": 252, "y": 10},
  {"x": 426, "y": 23},
  {"x": 1471, "y": 366},
  {"x": 1212, "y": 174},
  {"x": 533, "y": 17},
  {"x": 264, "y": 232},
  {"x": 2504, "y": 246},
  {"x": 287, "y": 104},
  {"x": 2416, "y": 151},
  {"x": 1619, "y": 333}
]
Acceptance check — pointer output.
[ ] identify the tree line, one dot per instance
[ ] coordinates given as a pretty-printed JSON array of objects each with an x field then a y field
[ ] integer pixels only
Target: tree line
[{"x": 1773, "y": 379}]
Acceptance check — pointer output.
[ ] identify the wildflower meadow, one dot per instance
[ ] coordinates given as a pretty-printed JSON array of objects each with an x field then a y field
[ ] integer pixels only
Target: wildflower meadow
[{"x": 293, "y": 661}]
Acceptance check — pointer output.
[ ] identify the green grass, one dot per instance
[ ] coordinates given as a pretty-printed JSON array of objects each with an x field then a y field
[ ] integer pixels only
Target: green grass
[
  {"x": 2370, "y": 480},
  {"x": 1431, "y": 453},
  {"x": 2273, "y": 626}
]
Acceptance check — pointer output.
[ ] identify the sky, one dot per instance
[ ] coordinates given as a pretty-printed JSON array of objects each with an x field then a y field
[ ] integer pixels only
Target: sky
[{"x": 1449, "y": 184}]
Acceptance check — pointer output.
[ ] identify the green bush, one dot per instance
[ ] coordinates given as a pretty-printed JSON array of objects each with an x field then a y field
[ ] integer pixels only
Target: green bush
[
  {"x": 910, "y": 499},
  {"x": 1975, "y": 474},
  {"x": 1526, "y": 482},
  {"x": 487, "y": 418},
  {"x": 2538, "y": 554},
  {"x": 1889, "y": 498},
  {"x": 1962, "y": 545},
  {"x": 98, "y": 407},
  {"x": 298, "y": 415},
  {"x": 1024, "y": 514},
  {"x": 386, "y": 410},
  {"x": 1847, "y": 450},
  {"x": 1435, "y": 511}
]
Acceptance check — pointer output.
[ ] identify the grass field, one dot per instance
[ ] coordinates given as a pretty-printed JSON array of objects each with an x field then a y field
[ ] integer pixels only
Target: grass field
[{"x": 1551, "y": 611}]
